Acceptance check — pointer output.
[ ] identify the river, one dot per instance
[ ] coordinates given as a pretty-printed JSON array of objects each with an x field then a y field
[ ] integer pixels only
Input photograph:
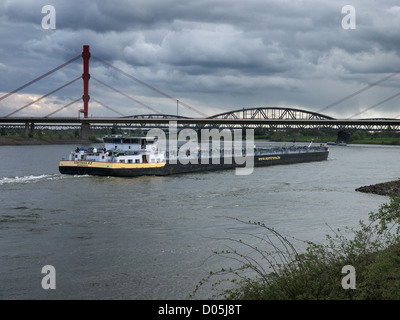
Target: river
[{"x": 154, "y": 237}]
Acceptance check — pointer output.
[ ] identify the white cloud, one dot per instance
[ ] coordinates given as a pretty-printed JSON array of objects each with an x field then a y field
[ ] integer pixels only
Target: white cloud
[{"x": 41, "y": 108}]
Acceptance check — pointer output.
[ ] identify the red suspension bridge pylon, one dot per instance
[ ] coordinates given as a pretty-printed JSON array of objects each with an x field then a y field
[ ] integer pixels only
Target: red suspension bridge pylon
[
  {"x": 86, "y": 54},
  {"x": 86, "y": 77}
]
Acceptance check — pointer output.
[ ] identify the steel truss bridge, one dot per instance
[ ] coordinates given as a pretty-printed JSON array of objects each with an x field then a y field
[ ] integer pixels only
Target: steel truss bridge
[{"x": 249, "y": 118}]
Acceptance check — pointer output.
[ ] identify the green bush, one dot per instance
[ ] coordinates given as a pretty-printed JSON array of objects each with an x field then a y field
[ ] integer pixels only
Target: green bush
[{"x": 276, "y": 270}]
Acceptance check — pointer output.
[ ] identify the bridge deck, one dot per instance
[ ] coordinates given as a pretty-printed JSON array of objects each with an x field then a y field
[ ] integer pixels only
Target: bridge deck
[{"x": 198, "y": 123}]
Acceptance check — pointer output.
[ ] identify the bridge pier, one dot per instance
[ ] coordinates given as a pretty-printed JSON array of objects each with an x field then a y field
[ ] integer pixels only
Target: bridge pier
[
  {"x": 29, "y": 129},
  {"x": 85, "y": 131}
]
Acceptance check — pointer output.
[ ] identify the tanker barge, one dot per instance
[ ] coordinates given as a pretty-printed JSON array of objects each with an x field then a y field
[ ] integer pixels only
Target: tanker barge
[{"x": 138, "y": 156}]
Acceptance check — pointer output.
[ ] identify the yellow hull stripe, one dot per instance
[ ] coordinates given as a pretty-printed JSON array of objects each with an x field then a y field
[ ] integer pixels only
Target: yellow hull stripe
[{"x": 109, "y": 165}]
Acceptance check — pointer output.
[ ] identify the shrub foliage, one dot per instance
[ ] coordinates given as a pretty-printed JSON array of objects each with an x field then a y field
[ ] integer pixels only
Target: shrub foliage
[{"x": 270, "y": 266}]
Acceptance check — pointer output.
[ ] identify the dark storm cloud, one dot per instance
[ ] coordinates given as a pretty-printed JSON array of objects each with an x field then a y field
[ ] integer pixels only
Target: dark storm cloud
[{"x": 217, "y": 54}]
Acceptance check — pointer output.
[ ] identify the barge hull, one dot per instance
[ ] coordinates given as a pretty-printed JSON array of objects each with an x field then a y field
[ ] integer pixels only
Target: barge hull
[{"x": 162, "y": 169}]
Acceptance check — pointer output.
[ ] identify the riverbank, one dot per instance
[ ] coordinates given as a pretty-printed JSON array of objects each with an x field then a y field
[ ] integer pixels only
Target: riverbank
[
  {"x": 391, "y": 188},
  {"x": 361, "y": 268},
  {"x": 19, "y": 141}
]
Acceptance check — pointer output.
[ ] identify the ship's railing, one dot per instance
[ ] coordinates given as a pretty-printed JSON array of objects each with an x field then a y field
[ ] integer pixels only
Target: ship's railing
[{"x": 272, "y": 151}]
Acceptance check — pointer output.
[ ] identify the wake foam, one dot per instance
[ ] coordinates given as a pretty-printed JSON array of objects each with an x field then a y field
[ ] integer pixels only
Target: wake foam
[{"x": 33, "y": 178}]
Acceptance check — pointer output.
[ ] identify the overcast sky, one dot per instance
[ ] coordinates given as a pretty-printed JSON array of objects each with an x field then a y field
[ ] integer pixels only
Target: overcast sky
[{"x": 214, "y": 56}]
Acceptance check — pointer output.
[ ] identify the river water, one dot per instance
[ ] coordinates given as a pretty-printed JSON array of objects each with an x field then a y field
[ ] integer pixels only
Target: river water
[{"x": 154, "y": 237}]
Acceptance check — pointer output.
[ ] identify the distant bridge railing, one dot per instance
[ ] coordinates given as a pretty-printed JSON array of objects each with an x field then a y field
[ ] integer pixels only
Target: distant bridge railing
[
  {"x": 144, "y": 122},
  {"x": 274, "y": 118}
]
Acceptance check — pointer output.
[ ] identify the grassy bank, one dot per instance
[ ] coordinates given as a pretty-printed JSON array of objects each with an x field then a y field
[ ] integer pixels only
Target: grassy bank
[
  {"x": 378, "y": 140},
  {"x": 46, "y": 136},
  {"x": 325, "y": 139},
  {"x": 323, "y": 136},
  {"x": 274, "y": 269},
  {"x": 18, "y": 140}
]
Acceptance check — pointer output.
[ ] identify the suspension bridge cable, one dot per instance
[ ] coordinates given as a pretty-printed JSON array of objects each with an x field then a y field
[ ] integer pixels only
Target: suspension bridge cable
[
  {"x": 66, "y": 106},
  {"x": 46, "y": 95},
  {"x": 127, "y": 96},
  {"x": 149, "y": 86},
  {"x": 105, "y": 106},
  {"x": 39, "y": 78},
  {"x": 359, "y": 91},
  {"x": 375, "y": 105}
]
